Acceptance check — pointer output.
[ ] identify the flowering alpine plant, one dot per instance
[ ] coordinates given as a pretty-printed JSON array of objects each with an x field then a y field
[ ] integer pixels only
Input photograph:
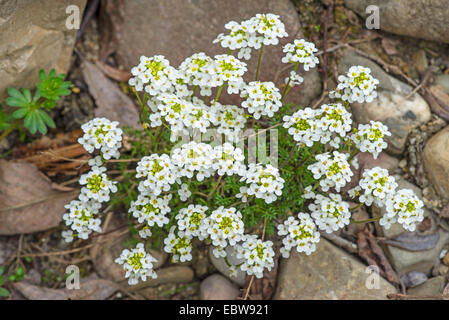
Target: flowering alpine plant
[{"x": 179, "y": 189}]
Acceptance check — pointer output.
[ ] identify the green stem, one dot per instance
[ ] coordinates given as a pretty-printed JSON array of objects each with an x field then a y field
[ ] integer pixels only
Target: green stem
[
  {"x": 356, "y": 207},
  {"x": 292, "y": 151},
  {"x": 212, "y": 192},
  {"x": 219, "y": 92},
  {"x": 258, "y": 62},
  {"x": 287, "y": 86},
  {"x": 365, "y": 221},
  {"x": 13, "y": 125}
]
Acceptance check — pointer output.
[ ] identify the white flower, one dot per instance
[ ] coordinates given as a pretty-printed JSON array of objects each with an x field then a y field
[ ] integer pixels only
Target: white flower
[
  {"x": 98, "y": 185},
  {"x": 194, "y": 157},
  {"x": 335, "y": 169},
  {"x": 294, "y": 79},
  {"x": 184, "y": 192},
  {"x": 301, "y": 51},
  {"x": 404, "y": 207},
  {"x": 137, "y": 263},
  {"x": 104, "y": 135},
  {"x": 159, "y": 174},
  {"x": 82, "y": 218},
  {"x": 230, "y": 120},
  {"x": 300, "y": 233},
  {"x": 228, "y": 160},
  {"x": 190, "y": 218},
  {"x": 151, "y": 209},
  {"x": 198, "y": 70},
  {"x": 154, "y": 74},
  {"x": 179, "y": 245},
  {"x": 303, "y": 126},
  {"x": 229, "y": 70},
  {"x": 257, "y": 255},
  {"x": 357, "y": 86},
  {"x": 261, "y": 98},
  {"x": 264, "y": 182},
  {"x": 224, "y": 226},
  {"x": 370, "y": 137},
  {"x": 330, "y": 213},
  {"x": 376, "y": 185},
  {"x": 335, "y": 118}
]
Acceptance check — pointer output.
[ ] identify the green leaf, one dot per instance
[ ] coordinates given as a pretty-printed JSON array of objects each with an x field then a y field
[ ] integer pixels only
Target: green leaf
[
  {"x": 4, "y": 293},
  {"x": 19, "y": 271},
  {"x": 30, "y": 122},
  {"x": 27, "y": 94},
  {"x": 15, "y": 102},
  {"x": 13, "y": 92},
  {"x": 40, "y": 124},
  {"x": 12, "y": 278},
  {"x": 20, "y": 113},
  {"x": 47, "y": 119},
  {"x": 2, "y": 269},
  {"x": 53, "y": 87}
]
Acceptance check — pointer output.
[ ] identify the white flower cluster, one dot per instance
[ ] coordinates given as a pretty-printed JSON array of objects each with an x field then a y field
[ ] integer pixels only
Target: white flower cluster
[
  {"x": 376, "y": 185},
  {"x": 151, "y": 209},
  {"x": 154, "y": 74},
  {"x": 224, "y": 226},
  {"x": 294, "y": 79},
  {"x": 184, "y": 193},
  {"x": 335, "y": 170},
  {"x": 330, "y": 213},
  {"x": 194, "y": 157},
  {"x": 300, "y": 233},
  {"x": 264, "y": 183},
  {"x": 357, "y": 86},
  {"x": 301, "y": 51},
  {"x": 329, "y": 124},
  {"x": 82, "y": 218},
  {"x": 159, "y": 173},
  {"x": 257, "y": 255},
  {"x": 404, "y": 207},
  {"x": 98, "y": 185},
  {"x": 231, "y": 121},
  {"x": 261, "y": 98},
  {"x": 228, "y": 160},
  {"x": 370, "y": 137},
  {"x": 179, "y": 245},
  {"x": 190, "y": 220},
  {"x": 262, "y": 29},
  {"x": 138, "y": 264},
  {"x": 104, "y": 135}
]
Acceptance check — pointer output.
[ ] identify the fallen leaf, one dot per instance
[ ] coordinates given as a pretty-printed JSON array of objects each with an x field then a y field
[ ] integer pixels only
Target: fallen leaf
[
  {"x": 113, "y": 73},
  {"x": 413, "y": 242},
  {"x": 29, "y": 203},
  {"x": 111, "y": 102},
  {"x": 97, "y": 289}
]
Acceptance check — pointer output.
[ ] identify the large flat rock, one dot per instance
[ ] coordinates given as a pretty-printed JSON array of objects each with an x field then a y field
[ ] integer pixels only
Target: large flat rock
[
  {"x": 177, "y": 29},
  {"x": 328, "y": 273}
]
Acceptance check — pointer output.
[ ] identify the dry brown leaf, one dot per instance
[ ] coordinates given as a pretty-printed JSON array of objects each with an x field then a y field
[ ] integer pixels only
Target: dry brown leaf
[
  {"x": 111, "y": 102},
  {"x": 97, "y": 289},
  {"x": 438, "y": 101},
  {"x": 113, "y": 73},
  {"x": 29, "y": 203}
]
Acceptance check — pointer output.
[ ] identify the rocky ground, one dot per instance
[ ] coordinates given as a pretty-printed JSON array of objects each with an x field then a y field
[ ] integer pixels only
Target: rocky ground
[{"x": 410, "y": 57}]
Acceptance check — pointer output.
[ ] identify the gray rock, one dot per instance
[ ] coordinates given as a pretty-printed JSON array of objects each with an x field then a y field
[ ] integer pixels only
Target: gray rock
[
  {"x": 223, "y": 268},
  {"x": 432, "y": 287},
  {"x": 443, "y": 81},
  {"x": 436, "y": 162},
  {"x": 392, "y": 107},
  {"x": 405, "y": 261},
  {"x": 217, "y": 287},
  {"x": 328, "y": 273},
  {"x": 413, "y": 279},
  {"x": 177, "y": 29},
  {"x": 33, "y": 36},
  {"x": 414, "y": 18}
]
